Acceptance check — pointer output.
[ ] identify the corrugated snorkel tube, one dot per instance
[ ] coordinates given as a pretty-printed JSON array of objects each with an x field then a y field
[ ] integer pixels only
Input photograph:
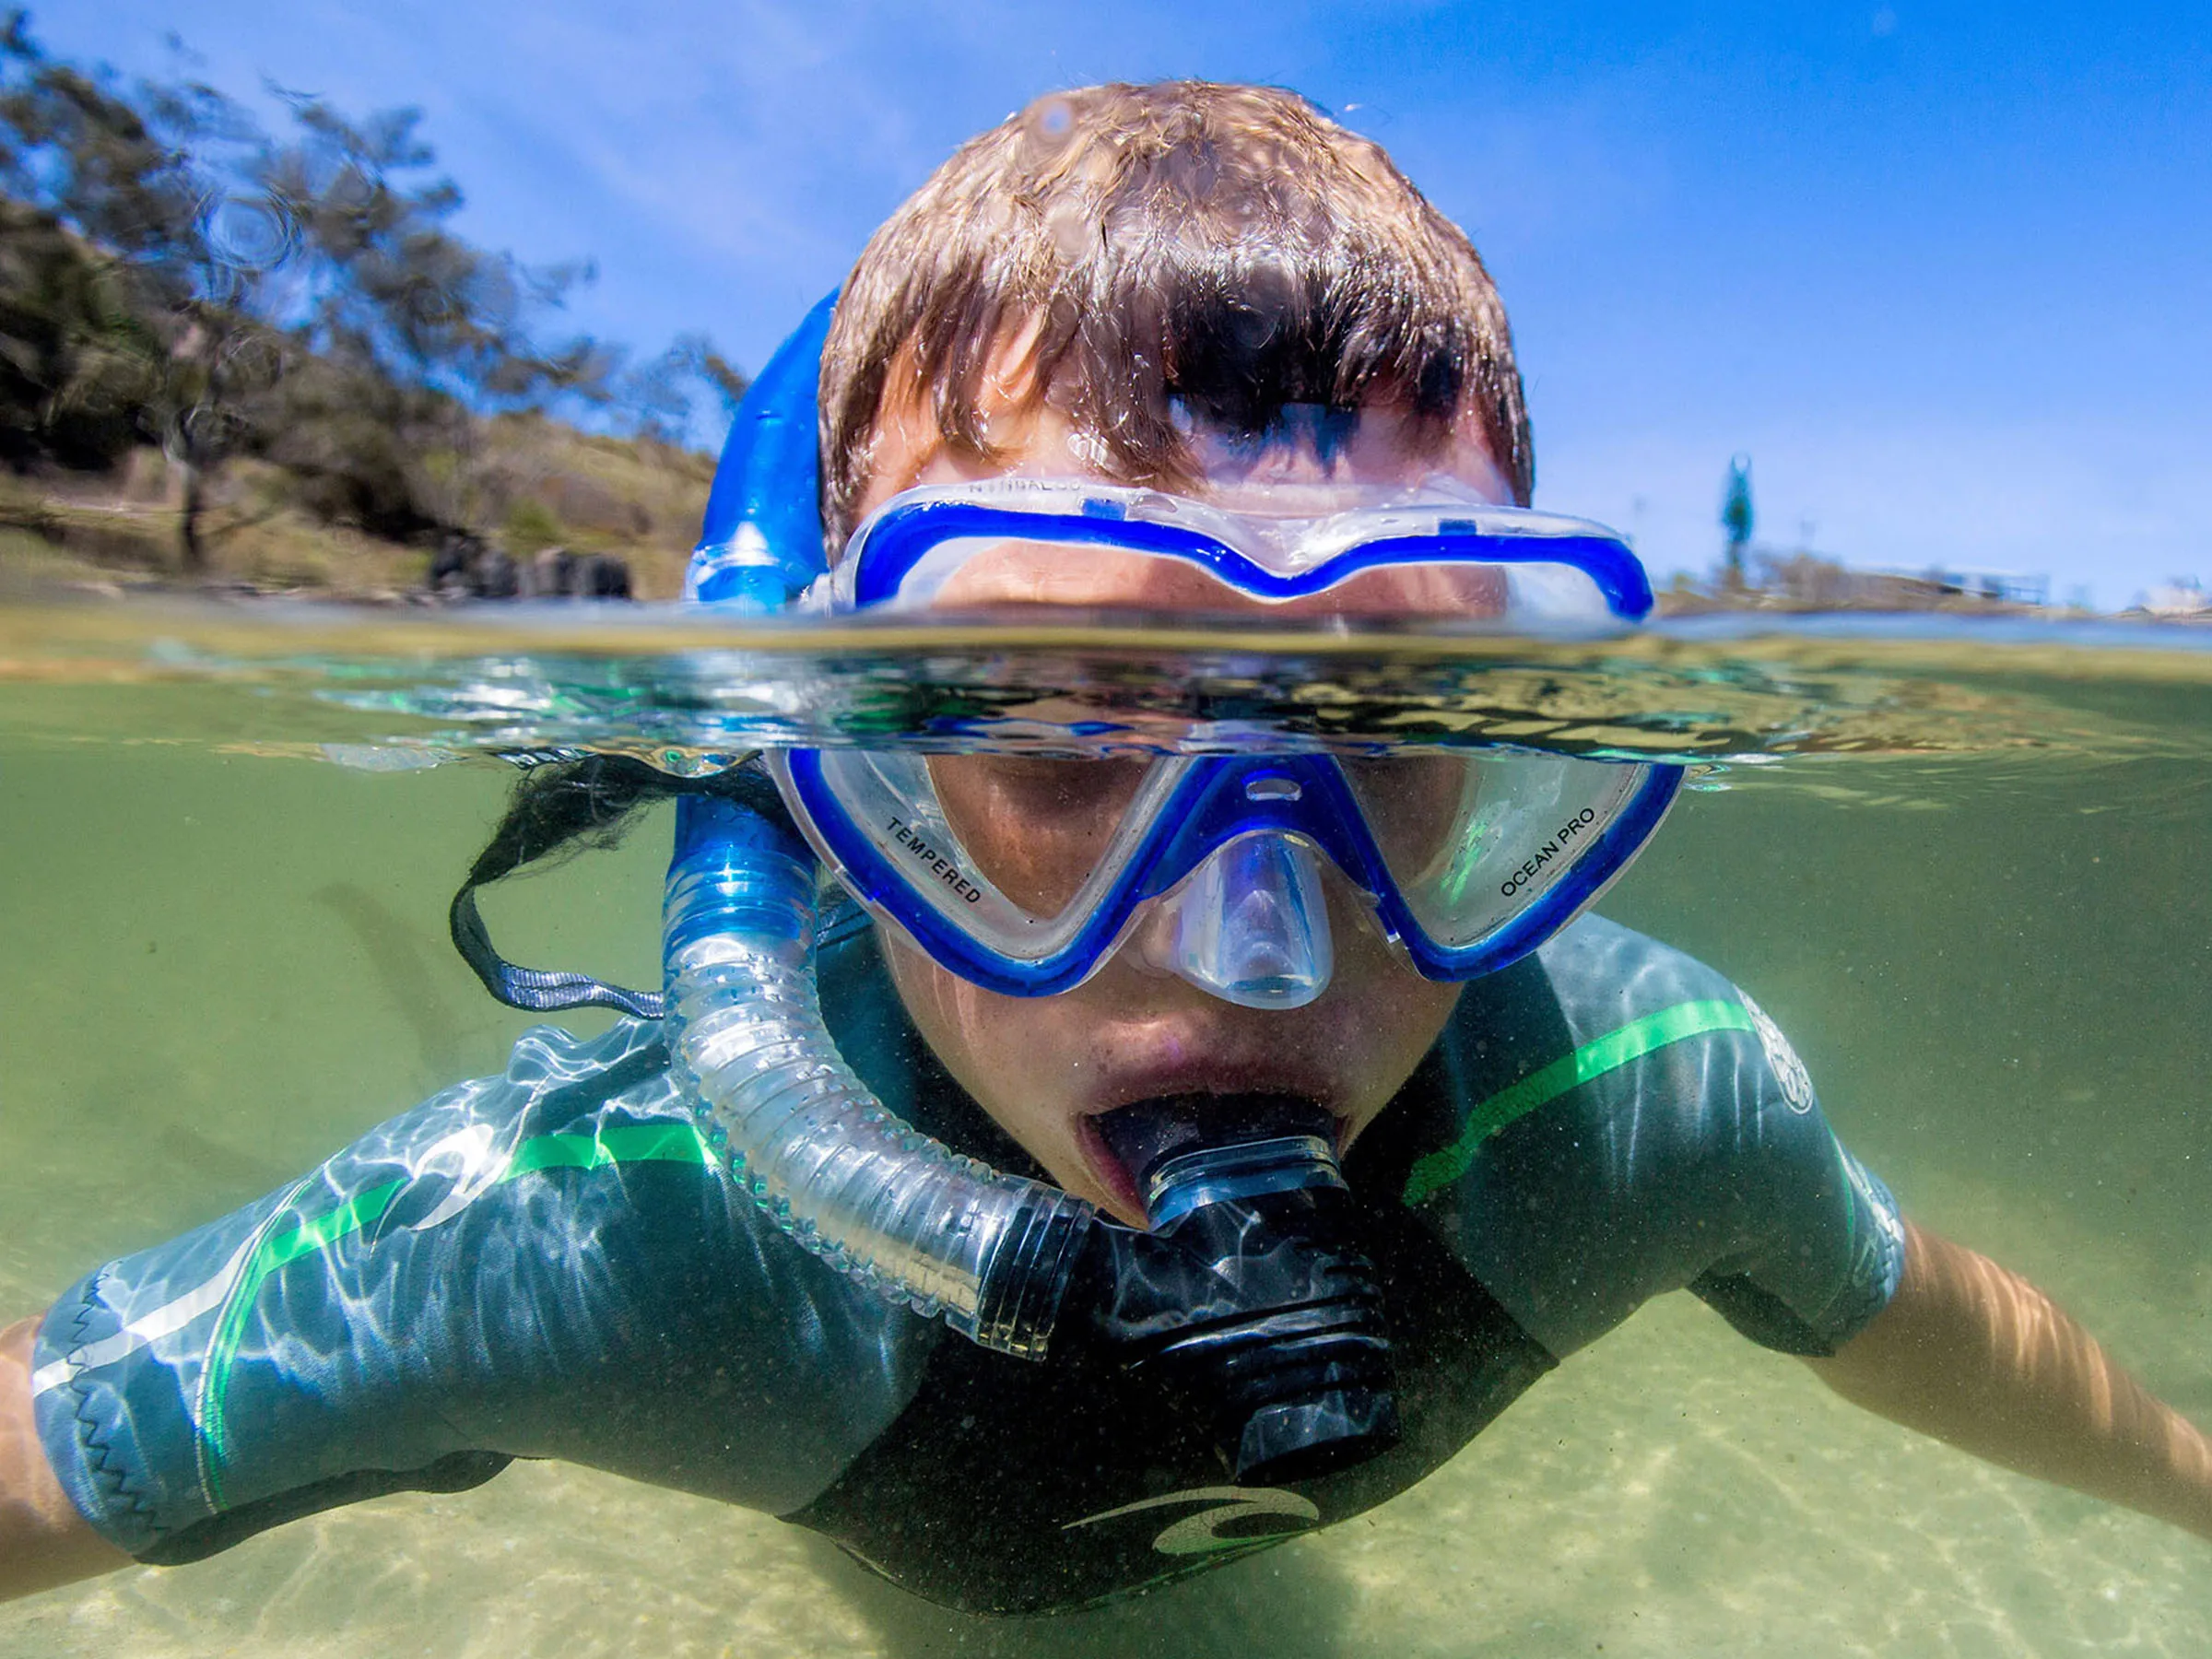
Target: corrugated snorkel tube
[{"x": 919, "y": 1223}]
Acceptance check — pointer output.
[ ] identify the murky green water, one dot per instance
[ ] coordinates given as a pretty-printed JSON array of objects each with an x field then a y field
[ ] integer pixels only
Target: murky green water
[{"x": 1968, "y": 875}]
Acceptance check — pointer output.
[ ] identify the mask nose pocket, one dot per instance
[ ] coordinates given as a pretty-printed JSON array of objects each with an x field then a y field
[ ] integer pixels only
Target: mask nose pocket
[{"x": 1251, "y": 925}]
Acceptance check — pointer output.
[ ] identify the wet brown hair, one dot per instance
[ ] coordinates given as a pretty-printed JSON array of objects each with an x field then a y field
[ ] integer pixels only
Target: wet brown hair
[{"x": 1227, "y": 248}]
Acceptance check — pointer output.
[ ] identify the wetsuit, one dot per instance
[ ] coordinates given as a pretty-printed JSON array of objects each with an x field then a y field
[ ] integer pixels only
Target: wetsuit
[{"x": 545, "y": 1264}]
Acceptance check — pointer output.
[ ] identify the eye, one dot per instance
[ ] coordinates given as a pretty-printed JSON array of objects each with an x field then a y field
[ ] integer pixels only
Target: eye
[
  {"x": 1035, "y": 827},
  {"x": 1412, "y": 803},
  {"x": 1056, "y": 791}
]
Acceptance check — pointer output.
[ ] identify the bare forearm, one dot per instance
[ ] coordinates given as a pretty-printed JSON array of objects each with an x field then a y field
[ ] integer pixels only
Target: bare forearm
[
  {"x": 1973, "y": 1354},
  {"x": 43, "y": 1540}
]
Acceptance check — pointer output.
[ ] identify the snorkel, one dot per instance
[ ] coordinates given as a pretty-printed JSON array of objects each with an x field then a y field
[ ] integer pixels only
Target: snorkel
[
  {"x": 845, "y": 1177},
  {"x": 842, "y": 1175},
  {"x": 1248, "y": 1298}
]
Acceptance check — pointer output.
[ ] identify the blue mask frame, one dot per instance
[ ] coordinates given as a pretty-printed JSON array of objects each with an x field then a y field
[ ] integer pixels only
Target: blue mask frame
[
  {"x": 903, "y": 535},
  {"x": 1210, "y": 805}
]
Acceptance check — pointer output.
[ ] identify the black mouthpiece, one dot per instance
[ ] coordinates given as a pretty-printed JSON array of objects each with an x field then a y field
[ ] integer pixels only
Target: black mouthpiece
[
  {"x": 1148, "y": 1133},
  {"x": 1250, "y": 1298}
]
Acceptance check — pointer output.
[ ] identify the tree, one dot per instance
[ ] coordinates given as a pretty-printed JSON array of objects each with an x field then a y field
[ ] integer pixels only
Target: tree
[
  {"x": 77, "y": 361},
  {"x": 97, "y": 207},
  {"x": 169, "y": 309},
  {"x": 662, "y": 399},
  {"x": 409, "y": 334},
  {"x": 301, "y": 296},
  {"x": 387, "y": 287}
]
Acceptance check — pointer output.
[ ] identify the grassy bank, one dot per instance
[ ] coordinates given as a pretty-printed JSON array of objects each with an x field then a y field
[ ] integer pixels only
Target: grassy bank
[{"x": 527, "y": 484}]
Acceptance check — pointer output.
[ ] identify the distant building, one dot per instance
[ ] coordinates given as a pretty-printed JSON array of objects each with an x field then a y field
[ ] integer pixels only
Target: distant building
[{"x": 2182, "y": 597}]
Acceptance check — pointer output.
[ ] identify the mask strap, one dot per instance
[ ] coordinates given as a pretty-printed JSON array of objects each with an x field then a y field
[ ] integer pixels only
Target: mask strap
[
  {"x": 537, "y": 990},
  {"x": 593, "y": 796},
  {"x": 761, "y": 543}
]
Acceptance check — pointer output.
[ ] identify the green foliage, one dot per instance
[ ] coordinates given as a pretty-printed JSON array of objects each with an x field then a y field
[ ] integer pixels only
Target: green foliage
[
  {"x": 171, "y": 271},
  {"x": 78, "y": 360},
  {"x": 662, "y": 396},
  {"x": 1736, "y": 517}
]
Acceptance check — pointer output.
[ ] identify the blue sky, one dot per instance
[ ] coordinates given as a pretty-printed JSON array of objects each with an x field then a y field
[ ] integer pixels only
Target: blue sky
[{"x": 1944, "y": 273}]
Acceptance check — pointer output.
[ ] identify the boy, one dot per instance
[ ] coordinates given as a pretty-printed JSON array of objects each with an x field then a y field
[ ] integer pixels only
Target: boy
[{"x": 1217, "y": 294}]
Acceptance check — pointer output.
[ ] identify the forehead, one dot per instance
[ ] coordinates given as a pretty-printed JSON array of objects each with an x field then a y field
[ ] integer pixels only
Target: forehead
[
  {"x": 1027, "y": 428},
  {"x": 1308, "y": 448}
]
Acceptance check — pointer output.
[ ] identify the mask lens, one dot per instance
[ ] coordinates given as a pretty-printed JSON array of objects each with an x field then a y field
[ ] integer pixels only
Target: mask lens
[
  {"x": 1471, "y": 844},
  {"x": 1035, "y": 828},
  {"x": 979, "y": 575},
  {"x": 1415, "y": 806},
  {"x": 1024, "y": 872}
]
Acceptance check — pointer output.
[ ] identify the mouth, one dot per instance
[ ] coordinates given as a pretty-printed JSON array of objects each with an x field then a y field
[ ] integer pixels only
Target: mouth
[{"x": 1124, "y": 1143}]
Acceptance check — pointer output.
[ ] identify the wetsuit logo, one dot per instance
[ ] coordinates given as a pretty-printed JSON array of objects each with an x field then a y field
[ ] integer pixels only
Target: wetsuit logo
[
  {"x": 1789, "y": 1071},
  {"x": 1239, "y": 1507}
]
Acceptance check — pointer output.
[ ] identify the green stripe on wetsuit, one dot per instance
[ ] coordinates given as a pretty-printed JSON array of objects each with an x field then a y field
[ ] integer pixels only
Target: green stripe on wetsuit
[
  {"x": 1439, "y": 1169},
  {"x": 623, "y": 1143}
]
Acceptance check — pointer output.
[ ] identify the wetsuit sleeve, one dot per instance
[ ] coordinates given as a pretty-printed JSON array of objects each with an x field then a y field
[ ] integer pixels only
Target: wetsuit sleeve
[
  {"x": 1677, "y": 1143},
  {"x": 1816, "y": 1244},
  {"x": 540, "y": 1263}
]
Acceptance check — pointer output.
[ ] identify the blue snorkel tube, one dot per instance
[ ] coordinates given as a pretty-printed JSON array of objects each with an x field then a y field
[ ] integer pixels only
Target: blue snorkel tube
[{"x": 760, "y": 542}]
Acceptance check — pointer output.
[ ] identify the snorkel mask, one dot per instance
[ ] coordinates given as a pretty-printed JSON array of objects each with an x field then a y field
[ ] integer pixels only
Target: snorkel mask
[{"x": 1209, "y": 865}]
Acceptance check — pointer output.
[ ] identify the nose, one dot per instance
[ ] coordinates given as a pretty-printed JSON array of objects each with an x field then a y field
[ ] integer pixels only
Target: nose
[{"x": 1251, "y": 925}]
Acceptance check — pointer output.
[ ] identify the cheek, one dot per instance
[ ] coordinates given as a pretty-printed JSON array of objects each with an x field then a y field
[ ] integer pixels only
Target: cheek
[
  {"x": 1387, "y": 1016},
  {"x": 1013, "y": 1055}
]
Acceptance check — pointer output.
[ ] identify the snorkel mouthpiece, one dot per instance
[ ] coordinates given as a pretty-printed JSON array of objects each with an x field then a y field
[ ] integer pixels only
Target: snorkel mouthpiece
[{"x": 1249, "y": 1297}]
